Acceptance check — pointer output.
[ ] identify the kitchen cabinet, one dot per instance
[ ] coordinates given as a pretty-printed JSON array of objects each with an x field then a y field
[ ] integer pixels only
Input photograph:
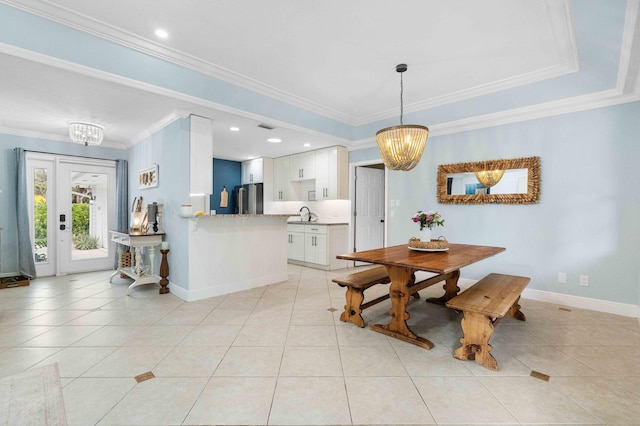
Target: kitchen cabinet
[
  {"x": 332, "y": 167},
  {"x": 317, "y": 246},
  {"x": 295, "y": 242},
  {"x": 302, "y": 166},
  {"x": 200, "y": 155},
  {"x": 282, "y": 189},
  {"x": 252, "y": 171}
]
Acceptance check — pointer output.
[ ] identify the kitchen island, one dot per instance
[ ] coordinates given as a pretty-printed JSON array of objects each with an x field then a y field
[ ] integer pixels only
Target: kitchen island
[{"x": 235, "y": 252}]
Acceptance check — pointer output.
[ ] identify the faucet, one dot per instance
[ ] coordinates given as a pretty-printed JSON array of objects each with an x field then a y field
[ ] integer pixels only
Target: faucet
[{"x": 308, "y": 212}]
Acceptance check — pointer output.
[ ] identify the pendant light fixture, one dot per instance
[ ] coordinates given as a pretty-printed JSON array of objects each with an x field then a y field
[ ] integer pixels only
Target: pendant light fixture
[{"x": 401, "y": 146}]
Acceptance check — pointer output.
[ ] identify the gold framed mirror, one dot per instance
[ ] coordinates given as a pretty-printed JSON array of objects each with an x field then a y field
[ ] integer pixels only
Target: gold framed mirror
[{"x": 518, "y": 182}]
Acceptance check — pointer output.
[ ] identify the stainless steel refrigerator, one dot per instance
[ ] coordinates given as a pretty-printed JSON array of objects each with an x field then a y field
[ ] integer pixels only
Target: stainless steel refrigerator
[{"x": 249, "y": 199}]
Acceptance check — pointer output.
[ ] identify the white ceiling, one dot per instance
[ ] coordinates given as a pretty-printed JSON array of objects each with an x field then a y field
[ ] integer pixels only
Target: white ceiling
[{"x": 335, "y": 58}]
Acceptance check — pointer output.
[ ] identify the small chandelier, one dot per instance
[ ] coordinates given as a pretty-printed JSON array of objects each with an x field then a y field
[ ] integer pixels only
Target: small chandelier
[
  {"x": 488, "y": 178},
  {"x": 401, "y": 146},
  {"x": 86, "y": 133}
]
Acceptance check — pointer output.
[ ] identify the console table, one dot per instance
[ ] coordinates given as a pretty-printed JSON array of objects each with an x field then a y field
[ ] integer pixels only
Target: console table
[{"x": 137, "y": 272}]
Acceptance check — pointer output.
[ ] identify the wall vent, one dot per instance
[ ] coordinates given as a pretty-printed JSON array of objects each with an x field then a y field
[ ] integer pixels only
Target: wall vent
[{"x": 266, "y": 126}]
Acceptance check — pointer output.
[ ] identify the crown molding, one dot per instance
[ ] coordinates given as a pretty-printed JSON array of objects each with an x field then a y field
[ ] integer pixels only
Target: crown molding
[{"x": 558, "y": 11}]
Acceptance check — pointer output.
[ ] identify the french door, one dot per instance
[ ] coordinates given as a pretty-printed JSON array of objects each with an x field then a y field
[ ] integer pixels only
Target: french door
[{"x": 72, "y": 209}]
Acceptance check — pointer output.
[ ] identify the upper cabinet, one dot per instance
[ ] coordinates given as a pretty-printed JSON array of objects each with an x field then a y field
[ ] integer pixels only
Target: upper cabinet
[
  {"x": 332, "y": 166},
  {"x": 200, "y": 155},
  {"x": 302, "y": 166},
  {"x": 315, "y": 175},
  {"x": 282, "y": 190},
  {"x": 253, "y": 171}
]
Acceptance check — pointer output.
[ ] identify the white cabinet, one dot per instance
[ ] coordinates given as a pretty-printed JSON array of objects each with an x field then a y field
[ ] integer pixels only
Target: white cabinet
[
  {"x": 200, "y": 155},
  {"x": 332, "y": 167},
  {"x": 317, "y": 246},
  {"x": 302, "y": 166},
  {"x": 252, "y": 171},
  {"x": 282, "y": 190},
  {"x": 295, "y": 242}
]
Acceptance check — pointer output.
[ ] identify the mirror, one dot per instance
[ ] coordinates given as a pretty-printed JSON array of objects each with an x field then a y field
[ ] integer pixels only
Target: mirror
[{"x": 520, "y": 183}]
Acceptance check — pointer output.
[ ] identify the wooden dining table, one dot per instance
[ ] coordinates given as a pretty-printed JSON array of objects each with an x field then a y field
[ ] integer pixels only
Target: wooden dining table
[{"x": 402, "y": 262}]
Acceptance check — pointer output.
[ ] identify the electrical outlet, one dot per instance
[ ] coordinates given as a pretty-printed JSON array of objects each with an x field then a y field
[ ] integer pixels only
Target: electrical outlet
[
  {"x": 562, "y": 277},
  {"x": 584, "y": 280}
]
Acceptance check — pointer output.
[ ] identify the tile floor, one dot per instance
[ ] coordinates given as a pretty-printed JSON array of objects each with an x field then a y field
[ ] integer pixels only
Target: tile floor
[{"x": 277, "y": 355}]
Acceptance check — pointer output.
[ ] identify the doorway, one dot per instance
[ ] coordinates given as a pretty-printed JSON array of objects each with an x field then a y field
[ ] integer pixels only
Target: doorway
[
  {"x": 369, "y": 189},
  {"x": 72, "y": 208}
]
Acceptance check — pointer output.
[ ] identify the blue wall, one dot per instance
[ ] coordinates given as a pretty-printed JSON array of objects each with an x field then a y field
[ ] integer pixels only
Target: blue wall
[
  {"x": 169, "y": 149},
  {"x": 587, "y": 220},
  {"x": 227, "y": 174}
]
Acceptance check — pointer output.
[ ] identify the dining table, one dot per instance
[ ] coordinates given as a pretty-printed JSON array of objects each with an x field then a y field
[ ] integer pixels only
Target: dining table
[{"x": 402, "y": 261}]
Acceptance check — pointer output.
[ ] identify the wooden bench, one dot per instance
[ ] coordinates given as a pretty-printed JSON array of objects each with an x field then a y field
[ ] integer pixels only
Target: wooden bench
[
  {"x": 358, "y": 282},
  {"x": 484, "y": 304}
]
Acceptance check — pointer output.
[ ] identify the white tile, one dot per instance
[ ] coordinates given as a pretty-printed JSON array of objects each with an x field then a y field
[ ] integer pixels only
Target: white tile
[
  {"x": 250, "y": 361},
  {"x": 128, "y": 362},
  {"x": 17, "y": 360},
  {"x": 531, "y": 400},
  {"x": 386, "y": 400},
  {"x": 312, "y": 335},
  {"x": 86, "y": 401},
  {"x": 211, "y": 335},
  {"x": 444, "y": 395},
  {"x": 73, "y": 362},
  {"x": 64, "y": 335},
  {"x": 310, "y": 400},
  {"x": 258, "y": 335},
  {"x": 311, "y": 361},
  {"x": 111, "y": 335},
  {"x": 190, "y": 362},
  {"x": 159, "y": 401},
  {"x": 161, "y": 335},
  {"x": 218, "y": 404},
  {"x": 371, "y": 361}
]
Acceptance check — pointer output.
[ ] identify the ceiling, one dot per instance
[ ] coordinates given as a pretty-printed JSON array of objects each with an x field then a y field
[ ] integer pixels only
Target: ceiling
[{"x": 320, "y": 72}]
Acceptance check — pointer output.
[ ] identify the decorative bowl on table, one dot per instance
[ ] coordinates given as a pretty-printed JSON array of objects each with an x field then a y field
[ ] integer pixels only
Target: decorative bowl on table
[{"x": 439, "y": 244}]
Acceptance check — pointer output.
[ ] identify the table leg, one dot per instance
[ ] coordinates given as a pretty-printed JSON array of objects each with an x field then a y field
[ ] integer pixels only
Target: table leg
[
  {"x": 120, "y": 251},
  {"x": 450, "y": 287},
  {"x": 477, "y": 330},
  {"x": 399, "y": 294},
  {"x": 138, "y": 260}
]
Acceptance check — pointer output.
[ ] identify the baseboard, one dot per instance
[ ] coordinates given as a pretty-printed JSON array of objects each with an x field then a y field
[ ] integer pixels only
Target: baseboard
[
  {"x": 624, "y": 309},
  {"x": 221, "y": 290}
]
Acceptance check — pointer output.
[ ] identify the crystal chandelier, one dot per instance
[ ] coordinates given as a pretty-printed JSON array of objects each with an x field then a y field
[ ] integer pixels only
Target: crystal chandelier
[
  {"x": 85, "y": 133},
  {"x": 401, "y": 146},
  {"x": 488, "y": 178}
]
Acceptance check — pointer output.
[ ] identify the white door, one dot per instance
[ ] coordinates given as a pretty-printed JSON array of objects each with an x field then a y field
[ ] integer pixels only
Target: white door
[
  {"x": 62, "y": 189},
  {"x": 369, "y": 211},
  {"x": 41, "y": 181},
  {"x": 86, "y": 193}
]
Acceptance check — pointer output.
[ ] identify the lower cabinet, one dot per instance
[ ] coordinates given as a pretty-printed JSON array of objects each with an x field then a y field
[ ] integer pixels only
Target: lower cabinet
[{"x": 317, "y": 246}]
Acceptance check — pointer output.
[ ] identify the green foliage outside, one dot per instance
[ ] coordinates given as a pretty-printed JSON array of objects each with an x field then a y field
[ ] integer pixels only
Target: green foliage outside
[
  {"x": 85, "y": 241},
  {"x": 80, "y": 218},
  {"x": 40, "y": 223}
]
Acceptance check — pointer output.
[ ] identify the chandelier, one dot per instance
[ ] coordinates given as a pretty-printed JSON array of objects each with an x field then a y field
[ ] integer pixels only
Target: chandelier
[
  {"x": 488, "y": 178},
  {"x": 85, "y": 133},
  {"x": 401, "y": 146}
]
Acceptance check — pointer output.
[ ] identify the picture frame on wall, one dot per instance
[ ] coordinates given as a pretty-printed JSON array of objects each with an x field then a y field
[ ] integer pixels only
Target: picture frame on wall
[{"x": 148, "y": 178}]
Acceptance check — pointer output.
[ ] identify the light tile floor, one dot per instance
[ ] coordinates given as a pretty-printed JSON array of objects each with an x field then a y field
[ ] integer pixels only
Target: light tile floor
[{"x": 278, "y": 355}]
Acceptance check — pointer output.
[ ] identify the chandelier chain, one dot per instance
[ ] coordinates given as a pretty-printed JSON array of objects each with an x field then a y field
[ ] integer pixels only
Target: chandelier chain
[{"x": 401, "y": 99}]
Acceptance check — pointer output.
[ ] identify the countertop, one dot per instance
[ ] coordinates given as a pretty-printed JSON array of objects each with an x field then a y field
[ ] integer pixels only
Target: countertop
[{"x": 298, "y": 222}]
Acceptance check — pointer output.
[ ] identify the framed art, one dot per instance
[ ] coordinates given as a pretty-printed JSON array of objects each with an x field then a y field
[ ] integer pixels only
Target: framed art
[{"x": 148, "y": 178}]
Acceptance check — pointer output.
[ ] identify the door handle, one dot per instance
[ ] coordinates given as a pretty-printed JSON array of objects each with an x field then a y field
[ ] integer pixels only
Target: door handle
[
  {"x": 63, "y": 226},
  {"x": 381, "y": 220}
]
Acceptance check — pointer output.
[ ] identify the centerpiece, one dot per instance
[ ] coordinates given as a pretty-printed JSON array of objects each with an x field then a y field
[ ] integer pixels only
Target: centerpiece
[{"x": 427, "y": 222}]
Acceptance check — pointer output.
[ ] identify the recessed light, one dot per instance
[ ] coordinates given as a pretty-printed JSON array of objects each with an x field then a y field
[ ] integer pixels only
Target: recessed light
[
  {"x": 274, "y": 140},
  {"x": 307, "y": 144},
  {"x": 234, "y": 129},
  {"x": 160, "y": 33}
]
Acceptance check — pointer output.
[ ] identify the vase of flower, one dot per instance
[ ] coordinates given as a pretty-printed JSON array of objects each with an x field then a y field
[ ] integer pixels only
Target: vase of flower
[{"x": 427, "y": 222}]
